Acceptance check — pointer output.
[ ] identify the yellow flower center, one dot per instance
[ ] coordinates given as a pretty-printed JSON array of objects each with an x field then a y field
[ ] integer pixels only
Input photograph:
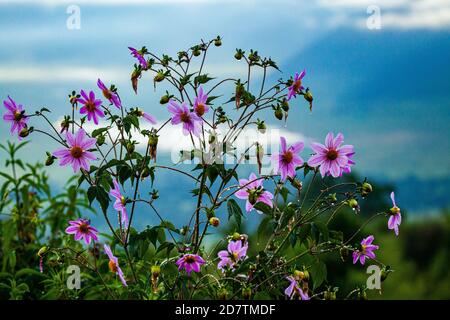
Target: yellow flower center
[
  {"x": 107, "y": 94},
  {"x": 297, "y": 84},
  {"x": 18, "y": 116}
]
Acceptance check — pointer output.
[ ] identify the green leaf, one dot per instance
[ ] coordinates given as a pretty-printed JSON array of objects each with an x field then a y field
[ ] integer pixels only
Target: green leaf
[
  {"x": 234, "y": 211},
  {"x": 264, "y": 208},
  {"x": 319, "y": 231},
  {"x": 319, "y": 274}
]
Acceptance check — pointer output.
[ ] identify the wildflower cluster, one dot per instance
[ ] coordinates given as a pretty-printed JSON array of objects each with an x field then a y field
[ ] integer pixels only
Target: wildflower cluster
[{"x": 183, "y": 261}]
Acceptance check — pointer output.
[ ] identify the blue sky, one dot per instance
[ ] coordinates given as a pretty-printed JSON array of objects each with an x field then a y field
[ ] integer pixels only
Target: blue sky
[{"x": 387, "y": 90}]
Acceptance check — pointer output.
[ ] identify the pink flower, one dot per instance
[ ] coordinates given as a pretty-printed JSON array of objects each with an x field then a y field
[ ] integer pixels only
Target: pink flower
[
  {"x": 294, "y": 288},
  {"x": 135, "y": 53},
  {"x": 252, "y": 190},
  {"x": 332, "y": 157},
  {"x": 149, "y": 118},
  {"x": 190, "y": 262},
  {"x": 15, "y": 115},
  {"x": 76, "y": 153},
  {"x": 114, "y": 264},
  {"x": 296, "y": 86},
  {"x": 396, "y": 217},
  {"x": 229, "y": 258},
  {"x": 90, "y": 106},
  {"x": 366, "y": 250},
  {"x": 111, "y": 96},
  {"x": 181, "y": 114},
  {"x": 83, "y": 230},
  {"x": 200, "y": 106},
  {"x": 119, "y": 205},
  {"x": 287, "y": 160}
]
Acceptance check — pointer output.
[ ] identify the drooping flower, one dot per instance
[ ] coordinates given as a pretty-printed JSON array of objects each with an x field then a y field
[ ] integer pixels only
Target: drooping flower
[
  {"x": 82, "y": 229},
  {"x": 296, "y": 86},
  {"x": 114, "y": 264},
  {"x": 396, "y": 217},
  {"x": 200, "y": 107},
  {"x": 119, "y": 204},
  {"x": 147, "y": 116},
  {"x": 190, "y": 262},
  {"x": 235, "y": 252},
  {"x": 252, "y": 190},
  {"x": 90, "y": 106},
  {"x": 366, "y": 250},
  {"x": 110, "y": 95},
  {"x": 15, "y": 115},
  {"x": 76, "y": 154},
  {"x": 181, "y": 114},
  {"x": 288, "y": 159},
  {"x": 294, "y": 288},
  {"x": 135, "y": 53},
  {"x": 332, "y": 157}
]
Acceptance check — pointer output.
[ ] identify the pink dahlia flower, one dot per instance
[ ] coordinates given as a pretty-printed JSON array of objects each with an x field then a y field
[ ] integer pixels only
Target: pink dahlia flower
[
  {"x": 15, "y": 115},
  {"x": 366, "y": 250},
  {"x": 235, "y": 253},
  {"x": 149, "y": 117},
  {"x": 181, "y": 114},
  {"x": 114, "y": 264},
  {"x": 82, "y": 229},
  {"x": 332, "y": 157},
  {"x": 200, "y": 107},
  {"x": 111, "y": 96},
  {"x": 296, "y": 86},
  {"x": 396, "y": 217},
  {"x": 294, "y": 288},
  {"x": 135, "y": 53},
  {"x": 252, "y": 190},
  {"x": 76, "y": 154},
  {"x": 91, "y": 106},
  {"x": 288, "y": 159},
  {"x": 190, "y": 262},
  {"x": 119, "y": 204}
]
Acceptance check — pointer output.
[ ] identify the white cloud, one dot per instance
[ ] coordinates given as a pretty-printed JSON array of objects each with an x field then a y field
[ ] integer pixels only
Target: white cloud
[
  {"x": 110, "y": 2},
  {"x": 395, "y": 14},
  {"x": 64, "y": 74}
]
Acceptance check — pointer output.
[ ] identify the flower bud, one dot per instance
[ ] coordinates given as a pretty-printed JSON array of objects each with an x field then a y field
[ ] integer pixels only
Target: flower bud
[
  {"x": 218, "y": 41},
  {"x": 155, "y": 194},
  {"x": 297, "y": 184},
  {"x": 42, "y": 251},
  {"x": 153, "y": 145},
  {"x": 135, "y": 78},
  {"x": 130, "y": 147},
  {"x": 261, "y": 126},
  {"x": 100, "y": 140},
  {"x": 214, "y": 221},
  {"x": 308, "y": 97},
  {"x": 385, "y": 272},
  {"x": 159, "y": 77},
  {"x": 164, "y": 99},
  {"x": 285, "y": 105},
  {"x": 145, "y": 172},
  {"x": 278, "y": 112},
  {"x": 239, "y": 54},
  {"x": 246, "y": 293},
  {"x": 236, "y": 236},
  {"x": 366, "y": 188},
  {"x": 353, "y": 203},
  {"x": 196, "y": 51},
  {"x": 24, "y": 132},
  {"x": 50, "y": 159},
  {"x": 155, "y": 270}
]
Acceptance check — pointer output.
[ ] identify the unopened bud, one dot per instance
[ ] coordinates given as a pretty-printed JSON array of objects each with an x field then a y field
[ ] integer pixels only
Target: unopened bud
[
  {"x": 100, "y": 140},
  {"x": 155, "y": 270},
  {"x": 42, "y": 251},
  {"x": 366, "y": 188},
  {"x": 218, "y": 41},
  {"x": 24, "y": 132},
  {"x": 159, "y": 77},
  {"x": 353, "y": 203},
  {"x": 164, "y": 99},
  {"x": 236, "y": 236},
  {"x": 261, "y": 126},
  {"x": 308, "y": 97},
  {"x": 246, "y": 293},
  {"x": 214, "y": 221},
  {"x": 222, "y": 294},
  {"x": 285, "y": 105}
]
